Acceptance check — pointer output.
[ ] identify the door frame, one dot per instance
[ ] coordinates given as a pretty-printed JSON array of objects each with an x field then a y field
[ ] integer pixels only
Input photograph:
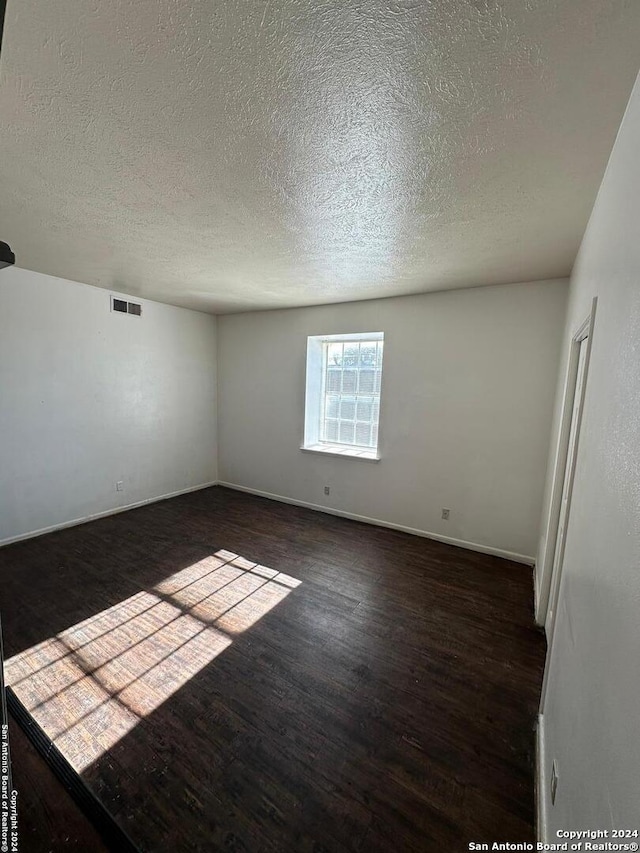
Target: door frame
[
  {"x": 585, "y": 330},
  {"x": 552, "y": 580}
]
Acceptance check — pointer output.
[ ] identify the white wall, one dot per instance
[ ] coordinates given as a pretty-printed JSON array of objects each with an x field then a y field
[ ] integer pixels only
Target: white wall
[
  {"x": 592, "y": 712},
  {"x": 89, "y": 397},
  {"x": 468, "y": 389}
]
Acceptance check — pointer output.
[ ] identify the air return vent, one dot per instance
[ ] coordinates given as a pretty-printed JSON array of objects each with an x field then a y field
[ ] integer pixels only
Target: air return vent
[{"x": 124, "y": 307}]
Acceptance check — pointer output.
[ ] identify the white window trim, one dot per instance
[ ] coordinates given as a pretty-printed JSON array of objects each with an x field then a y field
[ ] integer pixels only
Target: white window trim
[
  {"x": 314, "y": 400},
  {"x": 343, "y": 451}
]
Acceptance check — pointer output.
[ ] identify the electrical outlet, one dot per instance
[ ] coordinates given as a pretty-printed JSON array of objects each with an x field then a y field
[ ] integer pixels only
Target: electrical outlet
[
  {"x": 327, "y": 490},
  {"x": 445, "y": 514},
  {"x": 554, "y": 781},
  {"x": 119, "y": 486}
]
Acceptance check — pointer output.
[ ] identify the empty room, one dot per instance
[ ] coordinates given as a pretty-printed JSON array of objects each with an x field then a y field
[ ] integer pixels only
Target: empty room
[{"x": 319, "y": 426}]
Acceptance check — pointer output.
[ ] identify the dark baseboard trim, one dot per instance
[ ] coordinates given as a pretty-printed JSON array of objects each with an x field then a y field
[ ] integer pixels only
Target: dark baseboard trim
[{"x": 111, "y": 832}]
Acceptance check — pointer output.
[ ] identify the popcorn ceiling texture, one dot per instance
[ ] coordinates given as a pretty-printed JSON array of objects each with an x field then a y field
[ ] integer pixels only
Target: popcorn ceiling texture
[{"x": 238, "y": 155}]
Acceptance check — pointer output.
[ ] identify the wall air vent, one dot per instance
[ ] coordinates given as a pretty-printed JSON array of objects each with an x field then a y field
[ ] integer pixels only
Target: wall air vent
[{"x": 124, "y": 307}]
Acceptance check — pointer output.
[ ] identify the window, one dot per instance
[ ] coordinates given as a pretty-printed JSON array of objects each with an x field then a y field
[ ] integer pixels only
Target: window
[{"x": 342, "y": 412}]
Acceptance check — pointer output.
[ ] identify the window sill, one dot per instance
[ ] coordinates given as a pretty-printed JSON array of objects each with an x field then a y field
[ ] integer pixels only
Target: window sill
[{"x": 342, "y": 451}]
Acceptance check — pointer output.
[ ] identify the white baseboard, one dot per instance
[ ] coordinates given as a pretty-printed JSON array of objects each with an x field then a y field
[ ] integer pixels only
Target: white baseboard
[
  {"x": 448, "y": 540},
  {"x": 114, "y": 511},
  {"x": 541, "y": 781}
]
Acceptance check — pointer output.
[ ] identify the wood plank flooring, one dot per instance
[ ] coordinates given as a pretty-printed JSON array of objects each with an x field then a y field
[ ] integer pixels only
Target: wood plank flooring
[
  {"x": 230, "y": 673},
  {"x": 48, "y": 819}
]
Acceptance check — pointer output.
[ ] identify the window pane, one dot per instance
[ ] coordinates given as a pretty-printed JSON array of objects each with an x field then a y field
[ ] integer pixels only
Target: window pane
[
  {"x": 331, "y": 431},
  {"x": 334, "y": 381},
  {"x": 347, "y": 432},
  {"x": 332, "y": 407},
  {"x": 368, "y": 355},
  {"x": 351, "y": 354},
  {"x": 349, "y": 381},
  {"x": 365, "y": 410},
  {"x": 334, "y": 355},
  {"x": 367, "y": 379},
  {"x": 348, "y": 409},
  {"x": 363, "y": 433},
  {"x": 351, "y": 389}
]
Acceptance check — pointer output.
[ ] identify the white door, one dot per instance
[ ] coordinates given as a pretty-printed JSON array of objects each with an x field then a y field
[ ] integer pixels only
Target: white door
[{"x": 567, "y": 487}]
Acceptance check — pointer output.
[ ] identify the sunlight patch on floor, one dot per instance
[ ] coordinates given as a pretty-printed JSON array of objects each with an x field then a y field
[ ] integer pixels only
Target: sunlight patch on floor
[{"x": 92, "y": 683}]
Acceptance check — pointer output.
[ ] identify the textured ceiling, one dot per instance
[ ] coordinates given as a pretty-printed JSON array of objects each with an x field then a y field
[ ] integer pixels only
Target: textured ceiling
[{"x": 235, "y": 155}]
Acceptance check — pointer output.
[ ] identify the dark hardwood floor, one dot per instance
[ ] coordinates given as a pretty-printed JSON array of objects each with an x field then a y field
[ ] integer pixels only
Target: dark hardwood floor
[
  {"x": 230, "y": 673},
  {"x": 48, "y": 819}
]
